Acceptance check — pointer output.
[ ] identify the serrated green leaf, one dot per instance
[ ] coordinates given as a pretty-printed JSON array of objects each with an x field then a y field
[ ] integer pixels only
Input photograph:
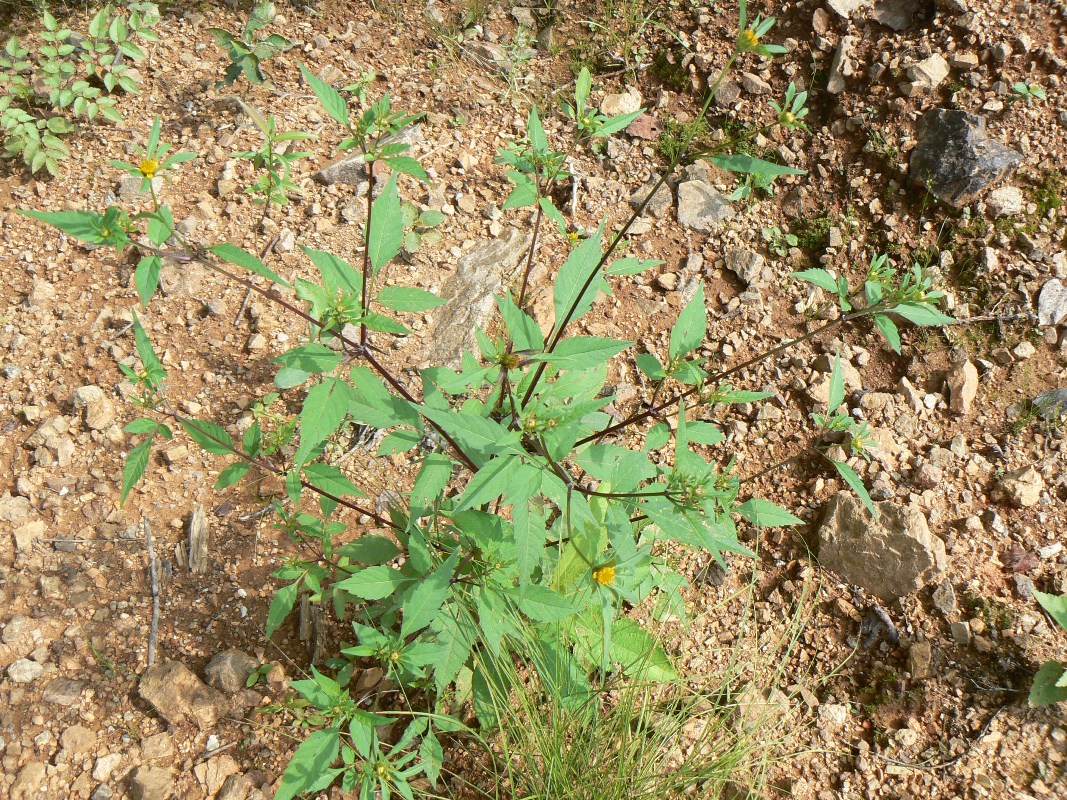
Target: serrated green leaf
[
  {"x": 536, "y": 132},
  {"x": 209, "y": 436},
  {"x": 146, "y": 277},
  {"x": 853, "y": 480},
  {"x": 337, "y": 273},
  {"x": 373, "y": 583},
  {"x": 524, "y": 194},
  {"x": 134, "y": 466},
  {"x": 888, "y": 329},
  {"x": 690, "y": 327},
  {"x": 404, "y": 298},
  {"x": 281, "y": 606},
  {"x": 837, "y": 386},
  {"x": 572, "y": 296},
  {"x": 921, "y": 314},
  {"x": 818, "y": 277},
  {"x": 424, "y": 602},
  {"x": 331, "y": 99},
  {"x": 370, "y": 549},
  {"x": 232, "y": 474},
  {"x": 479, "y": 437},
  {"x": 86, "y": 226},
  {"x": 323, "y": 412},
  {"x": 1047, "y": 687},
  {"x": 407, "y": 165},
  {"x": 386, "y": 235},
  {"x": 235, "y": 255},
  {"x": 1056, "y": 605},
  {"x": 308, "y": 764},
  {"x": 631, "y": 266},
  {"x": 740, "y": 162},
  {"x": 582, "y": 352},
  {"x": 544, "y": 605},
  {"x": 330, "y": 479},
  {"x": 521, "y": 327},
  {"x": 400, "y": 441},
  {"x": 764, "y": 514}
]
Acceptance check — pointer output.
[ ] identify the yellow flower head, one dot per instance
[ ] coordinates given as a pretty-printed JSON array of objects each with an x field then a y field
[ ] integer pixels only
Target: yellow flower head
[
  {"x": 573, "y": 236},
  {"x": 748, "y": 39},
  {"x": 605, "y": 575},
  {"x": 148, "y": 167}
]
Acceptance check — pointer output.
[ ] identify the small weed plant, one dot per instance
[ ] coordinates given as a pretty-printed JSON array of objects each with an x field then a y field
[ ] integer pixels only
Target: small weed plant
[
  {"x": 248, "y": 52},
  {"x": 1050, "y": 682},
  {"x": 536, "y": 519},
  {"x": 69, "y": 77}
]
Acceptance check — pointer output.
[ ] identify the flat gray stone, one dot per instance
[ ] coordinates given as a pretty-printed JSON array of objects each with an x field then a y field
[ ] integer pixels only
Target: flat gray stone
[
  {"x": 746, "y": 264},
  {"x": 471, "y": 292},
  {"x": 229, "y": 670},
  {"x": 895, "y": 14},
  {"x": 955, "y": 158},
  {"x": 24, "y": 671},
  {"x": 63, "y": 691},
  {"x": 891, "y": 556},
  {"x": 1052, "y": 303},
  {"x": 660, "y": 202},
  {"x": 151, "y": 783},
  {"x": 701, "y": 207}
]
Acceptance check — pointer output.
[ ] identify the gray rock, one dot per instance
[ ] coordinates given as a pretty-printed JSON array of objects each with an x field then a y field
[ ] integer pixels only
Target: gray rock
[
  {"x": 623, "y": 103},
  {"x": 1006, "y": 201},
  {"x": 63, "y": 691},
  {"x": 177, "y": 694},
  {"x": 98, "y": 409},
  {"x": 470, "y": 293},
  {"x": 891, "y": 556},
  {"x": 1051, "y": 405},
  {"x": 660, "y": 202},
  {"x": 1052, "y": 303},
  {"x": 1021, "y": 487},
  {"x": 944, "y": 597},
  {"x": 961, "y": 633},
  {"x": 129, "y": 188},
  {"x": 24, "y": 671},
  {"x": 840, "y": 66},
  {"x": 746, "y": 264},
  {"x": 754, "y": 84},
  {"x": 728, "y": 93},
  {"x": 701, "y": 207},
  {"x": 930, "y": 72},
  {"x": 102, "y": 792},
  {"x": 229, "y": 670},
  {"x": 956, "y": 159},
  {"x": 151, "y": 783},
  {"x": 920, "y": 655},
  {"x": 895, "y": 14},
  {"x": 962, "y": 387},
  {"x": 846, "y": 8}
]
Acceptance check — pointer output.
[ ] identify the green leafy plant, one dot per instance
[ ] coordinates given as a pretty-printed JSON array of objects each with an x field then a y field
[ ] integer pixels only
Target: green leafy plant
[
  {"x": 792, "y": 111},
  {"x": 590, "y": 123},
  {"x": 62, "y": 80},
  {"x": 1028, "y": 92},
  {"x": 248, "y": 52},
  {"x": 273, "y": 161},
  {"x": 778, "y": 241},
  {"x": 1050, "y": 682},
  {"x": 756, "y": 173},
  {"x": 531, "y": 515},
  {"x": 420, "y": 227}
]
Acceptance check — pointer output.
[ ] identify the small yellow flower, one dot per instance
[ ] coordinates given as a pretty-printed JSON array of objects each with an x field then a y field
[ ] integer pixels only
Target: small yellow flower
[
  {"x": 148, "y": 167},
  {"x": 605, "y": 575},
  {"x": 748, "y": 39},
  {"x": 573, "y": 236}
]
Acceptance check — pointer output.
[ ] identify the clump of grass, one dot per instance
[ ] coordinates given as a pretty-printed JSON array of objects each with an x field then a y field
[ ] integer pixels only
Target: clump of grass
[
  {"x": 1050, "y": 193},
  {"x": 813, "y": 234},
  {"x": 676, "y": 134}
]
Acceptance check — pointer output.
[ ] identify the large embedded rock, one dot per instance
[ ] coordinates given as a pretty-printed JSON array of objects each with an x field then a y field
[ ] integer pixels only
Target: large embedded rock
[
  {"x": 177, "y": 694},
  {"x": 891, "y": 556},
  {"x": 955, "y": 158}
]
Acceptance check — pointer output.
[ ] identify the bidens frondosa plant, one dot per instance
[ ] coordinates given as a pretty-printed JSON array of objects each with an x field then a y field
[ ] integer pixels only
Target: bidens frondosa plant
[{"x": 534, "y": 513}]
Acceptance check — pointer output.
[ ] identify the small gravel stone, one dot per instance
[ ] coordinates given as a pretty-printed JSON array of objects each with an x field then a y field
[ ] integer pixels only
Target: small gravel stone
[{"x": 24, "y": 671}]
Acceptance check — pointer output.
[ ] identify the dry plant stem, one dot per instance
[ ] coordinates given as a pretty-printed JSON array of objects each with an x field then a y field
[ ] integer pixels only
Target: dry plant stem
[{"x": 153, "y": 571}]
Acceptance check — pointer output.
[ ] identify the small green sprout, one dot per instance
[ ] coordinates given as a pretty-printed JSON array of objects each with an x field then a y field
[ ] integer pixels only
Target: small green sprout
[{"x": 792, "y": 111}]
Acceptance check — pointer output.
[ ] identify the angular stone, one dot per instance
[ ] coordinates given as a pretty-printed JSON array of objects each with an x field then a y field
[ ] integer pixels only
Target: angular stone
[
  {"x": 746, "y": 264},
  {"x": 229, "y": 670},
  {"x": 1006, "y": 201},
  {"x": 77, "y": 739},
  {"x": 895, "y": 14},
  {"x": 891, "y": 556},
  {"x": 98, "y": 409},
  {"x": 63, "y": 691},
  {"x": 470, "y": 294},
  {"x": 1052, "y": 303},
  {"x": 835, "y": 83},
  {"x": 846, "y": 8},
  {"x": 956, "y": 159},
  {"x": 177, "y": 695},
  {"x": 660, "y": 202},
  {"x": 930, "y": 71},
  {"x": 944, "y": 597},
  {"x": 29, "y": 782},
  {"x": 624, "y": 103},
  {"x": 920, "y": 656},
  {"x": 151, "y": 783},
  {"x": 962, "y": 387},
  {"x": 214, "y": 772},
  {"x": 105, "y": 766},
  {"x": 24, "y": 671},
  {"x": 1022, "y": 487},
  {"x": 701, "y": 207}
]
